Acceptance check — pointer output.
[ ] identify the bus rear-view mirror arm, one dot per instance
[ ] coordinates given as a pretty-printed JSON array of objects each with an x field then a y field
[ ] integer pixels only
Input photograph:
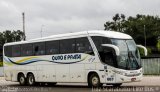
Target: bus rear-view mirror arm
[
  {"x": 114, "y": 47},
  {"x": 144, "y": 48}
]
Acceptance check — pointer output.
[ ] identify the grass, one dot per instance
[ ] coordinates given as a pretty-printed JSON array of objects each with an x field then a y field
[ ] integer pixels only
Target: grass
[{"x": 1, "y": 63}]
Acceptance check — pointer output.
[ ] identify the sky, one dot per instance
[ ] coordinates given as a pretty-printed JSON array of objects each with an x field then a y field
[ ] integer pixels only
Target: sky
[{"x": 51, "y": 17}]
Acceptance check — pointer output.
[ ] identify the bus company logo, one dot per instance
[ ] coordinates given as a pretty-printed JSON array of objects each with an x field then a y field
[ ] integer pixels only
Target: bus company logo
[{"x": 67, "y": 57}]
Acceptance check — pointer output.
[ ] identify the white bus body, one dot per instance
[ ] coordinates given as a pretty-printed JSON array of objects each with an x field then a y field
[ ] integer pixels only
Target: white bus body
[{"x": 84, "y": 57}]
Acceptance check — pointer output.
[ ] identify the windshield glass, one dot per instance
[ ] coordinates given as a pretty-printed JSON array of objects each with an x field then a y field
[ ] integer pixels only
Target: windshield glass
[{"x": 129, "y": 55}]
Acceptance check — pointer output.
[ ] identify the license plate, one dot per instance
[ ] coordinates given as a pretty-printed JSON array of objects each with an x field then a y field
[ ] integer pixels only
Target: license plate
[{"x": 133, "y": 79}]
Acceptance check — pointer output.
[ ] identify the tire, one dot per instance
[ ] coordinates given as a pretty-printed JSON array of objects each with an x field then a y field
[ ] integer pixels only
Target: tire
[
  {"x": 22, "y": 79},
  {"x": 117, "y": 85},
  {"x": 94, "y": 81},
  {"x": 30, "y": 80}
]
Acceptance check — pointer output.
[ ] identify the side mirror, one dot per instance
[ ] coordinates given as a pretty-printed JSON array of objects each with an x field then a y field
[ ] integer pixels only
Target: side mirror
[
  {"x": 114, "y": 47},
  {"x": 144, "y": 48}
]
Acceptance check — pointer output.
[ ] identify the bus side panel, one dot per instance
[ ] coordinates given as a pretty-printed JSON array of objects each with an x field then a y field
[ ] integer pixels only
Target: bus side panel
[
  {"x": 77, "y": 73},
  {"x": 46, "y": 73},
  {"x": 62, "y": 73},
  {"x": 7, "y": 73},
  {"x": 11, "y": 72},
  {"x": 14, "y": 73}
]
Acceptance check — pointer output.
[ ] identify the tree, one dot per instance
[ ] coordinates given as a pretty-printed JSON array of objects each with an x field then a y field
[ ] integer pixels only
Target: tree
[
  {"x": 117, "y": 24},
  {"x": 135, "y": 26},
  {"x": 158, "y": 45},
  {"x": 11, "y": 36},
  {"x": 18, "y": 35}
]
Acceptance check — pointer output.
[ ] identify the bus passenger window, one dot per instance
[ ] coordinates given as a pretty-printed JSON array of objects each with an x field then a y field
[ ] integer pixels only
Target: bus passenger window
[
  {"x": 83, "y": 46},
  {"x": 36, "y": 49},
  {"x": 16, "y": 51},
  {"x": 26, "y": 50},
  {"x": 52, "y": 47},
  {"x": 67, "y": 46},
  {"x": 8, "y": 51},
  {"x": 39, "y": 48}
]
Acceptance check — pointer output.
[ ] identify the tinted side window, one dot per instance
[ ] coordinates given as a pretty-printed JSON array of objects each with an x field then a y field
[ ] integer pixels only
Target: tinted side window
[
  {"x": 100, "y": 40},
  {"x": 83, "y": 46},
  {"x": 105, "y": 52},
  {"x": 52, "y": 47},
  {"x": 109, "y": 59},
  {"x": 26, "y": 50},
  {"x": 16, "y": 50},
  {"x": 67, "y": 46},
  {"x": 8, "y": 51},
  {"x": 39, "y": 48}
]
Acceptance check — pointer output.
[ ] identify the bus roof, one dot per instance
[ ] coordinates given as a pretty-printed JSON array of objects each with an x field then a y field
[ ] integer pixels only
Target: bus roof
[{"x": 109, "y": 34}]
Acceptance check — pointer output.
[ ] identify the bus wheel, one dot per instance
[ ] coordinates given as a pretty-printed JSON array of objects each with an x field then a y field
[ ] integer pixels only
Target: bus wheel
[
  {"x": 117, "y": 85},
  {"x": 21, "y": 79},
  {"x": 30, "y": 79},
  {"x": 94, "y": 81}
]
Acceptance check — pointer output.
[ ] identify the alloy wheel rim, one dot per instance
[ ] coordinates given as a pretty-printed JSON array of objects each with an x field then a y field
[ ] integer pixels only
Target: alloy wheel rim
[
  {"x": 21, "y": 80},
  {"x": 30, "y": 80},
  {"x": 95, "y": 81}
]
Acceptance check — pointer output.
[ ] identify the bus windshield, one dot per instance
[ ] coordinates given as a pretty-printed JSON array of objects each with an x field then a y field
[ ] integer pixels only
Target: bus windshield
[{"x": 129, "y": 55}]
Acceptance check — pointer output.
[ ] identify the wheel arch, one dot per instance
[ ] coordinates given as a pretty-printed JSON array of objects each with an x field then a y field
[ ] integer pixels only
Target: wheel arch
[
  {"x": 90, "y": 73},
  {"x": 30, "y": 73},
  {"x": 100, "y": 74}
]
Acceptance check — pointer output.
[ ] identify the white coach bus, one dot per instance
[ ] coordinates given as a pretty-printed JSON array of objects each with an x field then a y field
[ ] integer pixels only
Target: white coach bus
[{"x": 93, "y": 57}]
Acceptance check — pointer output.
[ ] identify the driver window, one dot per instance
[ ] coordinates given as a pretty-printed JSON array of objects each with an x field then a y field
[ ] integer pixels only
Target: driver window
[{"x": 109, "y": 59}]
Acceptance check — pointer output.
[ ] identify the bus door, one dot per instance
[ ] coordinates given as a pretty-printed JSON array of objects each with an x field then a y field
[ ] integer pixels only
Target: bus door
[{"x": 109, "y": 67}]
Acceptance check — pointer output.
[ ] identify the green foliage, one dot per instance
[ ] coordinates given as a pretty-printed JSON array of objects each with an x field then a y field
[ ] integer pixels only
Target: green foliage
[
  {"x": 10, "y": 36},
  {"x": 158, "y": 45},
  {"x": 117, "y": 24},
  {"x": 141, "y": 51},
  {"x": 1, "y": 63},
  {"x": 149, "y": 51},
  {"x": 136, "y": 26}
]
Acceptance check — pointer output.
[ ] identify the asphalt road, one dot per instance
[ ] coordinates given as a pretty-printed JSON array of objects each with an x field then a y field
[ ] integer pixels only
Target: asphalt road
[{"x": 148, "y": 84}]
